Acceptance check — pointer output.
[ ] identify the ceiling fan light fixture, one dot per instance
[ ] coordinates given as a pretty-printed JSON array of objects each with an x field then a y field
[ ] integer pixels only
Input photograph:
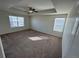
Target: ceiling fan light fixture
[{"x": 30, "y": 11}]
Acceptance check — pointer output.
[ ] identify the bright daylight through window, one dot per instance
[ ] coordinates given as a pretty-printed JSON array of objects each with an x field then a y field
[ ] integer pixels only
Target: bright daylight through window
[
  {"x": 16, "y": 21},
  {"x": 59, "y": 24}
]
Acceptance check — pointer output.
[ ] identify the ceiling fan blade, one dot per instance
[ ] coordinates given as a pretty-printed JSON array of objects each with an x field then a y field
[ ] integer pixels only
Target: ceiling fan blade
[{"x": 48, "y": 11}]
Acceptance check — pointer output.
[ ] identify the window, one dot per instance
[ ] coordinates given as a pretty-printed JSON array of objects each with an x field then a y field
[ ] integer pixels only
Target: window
[
  {"x": 59, "y": 24},
  {"x": 16, "y": 21}
]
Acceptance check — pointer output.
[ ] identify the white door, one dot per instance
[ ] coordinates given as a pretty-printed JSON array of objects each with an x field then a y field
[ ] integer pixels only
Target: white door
[{"x": 2, "y": 54}]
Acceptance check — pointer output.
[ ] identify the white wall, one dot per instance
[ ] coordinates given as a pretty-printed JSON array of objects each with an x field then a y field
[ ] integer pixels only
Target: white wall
[
  {"x": 4, "y": 23},
  {"x": 68, "y": 37},
  {"x": 45, "y": 23}
]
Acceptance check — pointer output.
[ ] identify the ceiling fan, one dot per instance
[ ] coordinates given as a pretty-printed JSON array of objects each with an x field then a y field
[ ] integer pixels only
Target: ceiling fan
[{"x": 31, "y": 10}]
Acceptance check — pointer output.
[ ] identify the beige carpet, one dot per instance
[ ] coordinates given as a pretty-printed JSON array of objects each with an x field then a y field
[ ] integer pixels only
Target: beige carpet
[{"x": 31, "y": 44}]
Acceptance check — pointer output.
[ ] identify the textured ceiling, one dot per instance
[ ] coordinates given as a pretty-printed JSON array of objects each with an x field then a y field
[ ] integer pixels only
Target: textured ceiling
[
  {"x": 7, "y": 3},
  {"x": 37, "y": 4},
  {"x": 62, "y": 6}
]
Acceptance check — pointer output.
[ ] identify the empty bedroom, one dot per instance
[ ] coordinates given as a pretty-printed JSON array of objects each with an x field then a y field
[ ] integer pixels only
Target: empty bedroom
[{"x": 32, "y": 28}]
